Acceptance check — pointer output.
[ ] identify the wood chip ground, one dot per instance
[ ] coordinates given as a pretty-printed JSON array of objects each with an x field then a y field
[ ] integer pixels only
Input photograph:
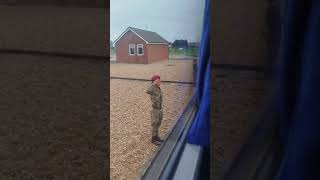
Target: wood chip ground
[{"x": 130, "y": 112}]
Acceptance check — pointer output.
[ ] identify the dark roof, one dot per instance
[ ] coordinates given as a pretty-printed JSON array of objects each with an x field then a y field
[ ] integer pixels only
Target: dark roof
[{"x": 149, "y": 36}]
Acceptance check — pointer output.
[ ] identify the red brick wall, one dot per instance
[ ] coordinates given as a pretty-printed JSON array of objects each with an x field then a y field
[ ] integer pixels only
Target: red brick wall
[
  {"x": 157, "y": 52},
  {"x": 122, "y": 49}
]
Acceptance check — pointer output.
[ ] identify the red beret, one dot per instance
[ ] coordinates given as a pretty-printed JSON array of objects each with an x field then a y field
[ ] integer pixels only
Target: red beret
[{"x": 155, "y": 77}]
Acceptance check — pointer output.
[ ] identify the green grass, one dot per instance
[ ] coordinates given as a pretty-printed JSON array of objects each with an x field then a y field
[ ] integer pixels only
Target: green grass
[
  {"x": 112, "y": 51},
  {"x": 192, "y": 52}
]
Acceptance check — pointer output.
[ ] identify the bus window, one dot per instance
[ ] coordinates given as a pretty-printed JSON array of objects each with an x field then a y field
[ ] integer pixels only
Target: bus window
[{"x": 153, "y": 59}]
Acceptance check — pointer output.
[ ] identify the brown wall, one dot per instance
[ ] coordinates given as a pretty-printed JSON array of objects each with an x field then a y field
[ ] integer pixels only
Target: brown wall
[
  {"x": 239, "y": 32},
  {"x": 53, "y": 109},
  {"x": 239, "y": 98},
  {"x": 55, "y": 29},
  {"x": 239, "y": 95},
  {"x": 158, "y": 52},
  {"x": 53, "y": 117},
  {"x": 69, "y": 3},
  {"x": 122, "y": 49}
]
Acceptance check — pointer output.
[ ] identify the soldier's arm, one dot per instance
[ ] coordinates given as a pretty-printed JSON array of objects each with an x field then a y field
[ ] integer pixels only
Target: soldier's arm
[
  {"x": 155, "y": 101},
  {"x": 150, "y": 90}
]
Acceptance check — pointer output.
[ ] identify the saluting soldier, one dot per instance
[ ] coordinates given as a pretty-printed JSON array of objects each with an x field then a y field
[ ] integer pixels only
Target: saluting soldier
[
  {"x": 195, "y": 71},
  {"x": 156, "y": 113}
]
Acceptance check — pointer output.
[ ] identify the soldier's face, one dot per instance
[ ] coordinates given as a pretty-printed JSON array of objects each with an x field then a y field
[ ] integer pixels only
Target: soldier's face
[{"x": 157, "y": 82}]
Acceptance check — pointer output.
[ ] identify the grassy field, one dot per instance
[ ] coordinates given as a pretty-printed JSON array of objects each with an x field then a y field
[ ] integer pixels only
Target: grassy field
[
  {"x": 112, "y": 51},
  {"x": 192, "y": 52}
]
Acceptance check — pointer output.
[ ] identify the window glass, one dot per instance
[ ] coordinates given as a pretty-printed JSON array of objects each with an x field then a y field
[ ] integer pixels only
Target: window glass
[
  {"x": 140, "y": 49},
  {"x": 166, "y": 36},
  {"x": 131, "y": 49}
]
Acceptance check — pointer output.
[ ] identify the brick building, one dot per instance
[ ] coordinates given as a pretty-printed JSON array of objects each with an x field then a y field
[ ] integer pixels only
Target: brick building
[{"x": 141, "y": 46}]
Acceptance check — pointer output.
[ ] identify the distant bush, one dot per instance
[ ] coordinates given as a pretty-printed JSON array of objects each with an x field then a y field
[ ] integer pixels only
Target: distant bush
[{"x": 112, "y": 50}]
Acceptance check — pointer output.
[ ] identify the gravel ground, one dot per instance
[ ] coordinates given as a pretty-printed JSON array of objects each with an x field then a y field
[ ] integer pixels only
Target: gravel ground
[
  {"x": 130, "y": 115},
  {"x": 173, "y": 70}
]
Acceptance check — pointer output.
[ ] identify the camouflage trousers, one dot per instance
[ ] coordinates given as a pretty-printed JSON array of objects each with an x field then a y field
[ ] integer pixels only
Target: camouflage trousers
[{"x": 156, "y": 119}]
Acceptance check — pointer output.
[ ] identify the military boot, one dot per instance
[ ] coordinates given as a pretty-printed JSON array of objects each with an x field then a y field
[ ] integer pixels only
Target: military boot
[
  {"x": 155, "y": 141},
  {"x": 158, "y": 139}
]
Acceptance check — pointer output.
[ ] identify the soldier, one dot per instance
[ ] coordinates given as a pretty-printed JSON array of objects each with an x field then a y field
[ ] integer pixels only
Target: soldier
[
  {"x": 194, "y": 72},
  {"x": 156, "y": 112}
]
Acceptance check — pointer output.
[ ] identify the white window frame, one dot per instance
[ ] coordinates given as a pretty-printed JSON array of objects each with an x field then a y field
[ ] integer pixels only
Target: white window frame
[
  {"x": 134, "y": 49},
  {"x": 141, "y": 45}
]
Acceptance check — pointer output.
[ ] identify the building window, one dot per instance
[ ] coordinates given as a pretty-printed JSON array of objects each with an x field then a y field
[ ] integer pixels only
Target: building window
[
  {"x": 132, "y": 49},
  {"x": 140, "y": 49}
]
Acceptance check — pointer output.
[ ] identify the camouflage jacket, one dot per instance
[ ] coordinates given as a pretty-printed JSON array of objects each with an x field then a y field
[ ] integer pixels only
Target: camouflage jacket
[{"x": 156, "y": 96}]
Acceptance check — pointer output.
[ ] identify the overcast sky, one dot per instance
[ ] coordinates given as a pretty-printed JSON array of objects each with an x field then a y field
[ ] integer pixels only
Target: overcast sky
[{"x": 172, "y": 19}]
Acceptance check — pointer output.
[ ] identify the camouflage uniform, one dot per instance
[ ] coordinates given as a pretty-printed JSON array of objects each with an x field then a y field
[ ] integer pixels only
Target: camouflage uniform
[
  {"x": 156, "y": 112},
  {"x": 194, "y": 72}
]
